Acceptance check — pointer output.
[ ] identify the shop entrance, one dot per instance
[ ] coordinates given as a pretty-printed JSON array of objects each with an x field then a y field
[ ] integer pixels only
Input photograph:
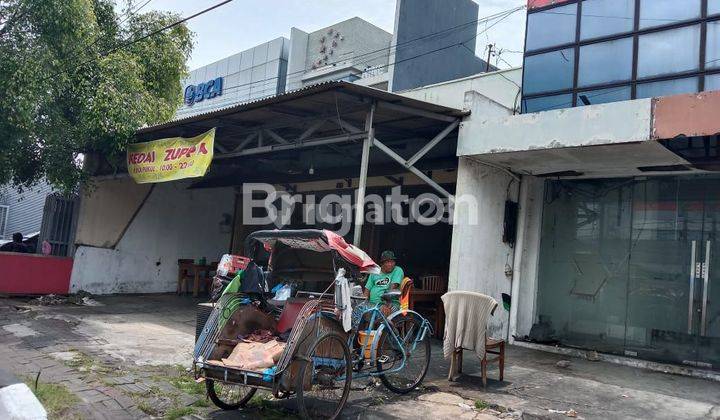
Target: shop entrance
[{"x": 631, "y": 266}]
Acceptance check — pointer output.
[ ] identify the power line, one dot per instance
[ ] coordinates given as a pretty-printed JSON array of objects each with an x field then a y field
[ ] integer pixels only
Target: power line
[
  {"x": 393, "y": 48},
  {"x": 501, "y": 16},
  {"x": 131, "y": 12},
  {"x": 146, "y": 36}
]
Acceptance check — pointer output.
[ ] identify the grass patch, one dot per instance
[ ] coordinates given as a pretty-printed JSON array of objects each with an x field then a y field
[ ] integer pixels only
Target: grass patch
[
  {"x": 201, "y": 403},
  {"x": 263, "y": 404},
  {"x": 84, "y": 363},
  {"x": 56, "y": 399},
  {"x": 187, "y": 384},
  {"x": 177, "y": 412},
  {"x": 147, "y": 408},
  {"x": 259, "y": 402},
  {"x": 481, "y": 405}
]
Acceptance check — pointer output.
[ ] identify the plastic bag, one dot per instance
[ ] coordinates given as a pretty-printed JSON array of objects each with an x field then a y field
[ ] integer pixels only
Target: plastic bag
[
  {"x": 283, "y": 293},
  {"x": 230, "y": 264}
]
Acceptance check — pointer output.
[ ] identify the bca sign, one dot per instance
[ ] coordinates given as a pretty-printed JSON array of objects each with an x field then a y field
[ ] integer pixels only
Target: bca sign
[{"x": 207, "y": 90}]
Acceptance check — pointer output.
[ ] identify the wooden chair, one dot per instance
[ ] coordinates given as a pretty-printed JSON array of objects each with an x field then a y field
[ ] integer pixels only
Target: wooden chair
[
  {"x": 185, "y": 274},
  {"x": 434, "y": 283},
  {"x": 203, "y": 275},
  {"x": 494, "y": 347}
]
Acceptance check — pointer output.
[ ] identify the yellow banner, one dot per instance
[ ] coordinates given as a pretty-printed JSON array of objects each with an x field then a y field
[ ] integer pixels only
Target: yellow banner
[{"x": 170, "y": 159}]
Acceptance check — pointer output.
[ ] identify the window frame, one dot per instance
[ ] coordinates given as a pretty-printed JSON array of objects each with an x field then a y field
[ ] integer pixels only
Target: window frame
[{"x": 701, "y": 71}]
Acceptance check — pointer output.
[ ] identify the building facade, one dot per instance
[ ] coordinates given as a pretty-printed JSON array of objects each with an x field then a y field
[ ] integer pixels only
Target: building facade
[
  {"x": 251, "y": 74},
  {"x": 351, "y": 50},
  {"x": 22, "y": 211},
  {"x": 613, "y": 166},
  {"x": 596, "y": 51},
  {"x": 433, "y": 42}
]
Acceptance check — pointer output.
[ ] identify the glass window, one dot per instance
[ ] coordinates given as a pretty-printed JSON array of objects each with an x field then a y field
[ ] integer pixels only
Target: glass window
[
  {"x": 668, "y": 52},
  {"x": 712, "y": 50},
  {"x": 713, "y": 7},
  {"x": 712, "y": 82},
  {"x": 582, "y": 273},
  {"x": 551, "y": 27},
  {"x": 606, "y": 17},
  {"x": 666, "y": 12},
  {"x": 667, "y": 87},
  {"x": 548, "y": 72},
  {"x": 602, "y": 96},
  {"x": 547, "y": 103},
  {"x": 605, "y": 62}
]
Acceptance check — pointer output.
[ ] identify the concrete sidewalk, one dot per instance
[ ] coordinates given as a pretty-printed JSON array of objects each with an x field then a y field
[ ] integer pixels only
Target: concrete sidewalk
[{"x": 126, "y": 359}]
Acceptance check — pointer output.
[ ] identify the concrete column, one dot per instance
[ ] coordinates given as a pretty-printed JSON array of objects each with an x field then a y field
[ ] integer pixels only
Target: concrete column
[
  {"x": 527, "y": 253},
  {"x": 478, "y": 255}
]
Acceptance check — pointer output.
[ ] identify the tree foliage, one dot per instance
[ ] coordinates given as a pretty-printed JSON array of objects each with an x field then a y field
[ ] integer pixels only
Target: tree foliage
[{"x": 74, "y": 84}]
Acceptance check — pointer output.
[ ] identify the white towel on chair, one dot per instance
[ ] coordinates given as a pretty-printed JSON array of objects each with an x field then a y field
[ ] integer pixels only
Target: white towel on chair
[{"x": 466, "y": 319}]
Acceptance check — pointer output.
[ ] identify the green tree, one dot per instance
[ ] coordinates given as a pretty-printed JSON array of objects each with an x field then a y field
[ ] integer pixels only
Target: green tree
[{"x": 74, "y": 84}]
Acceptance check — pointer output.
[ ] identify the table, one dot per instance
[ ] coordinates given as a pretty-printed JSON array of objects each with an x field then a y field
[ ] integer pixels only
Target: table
[
  {"x": 421, "y": 295},
  {"x": 194, "y": 271}
]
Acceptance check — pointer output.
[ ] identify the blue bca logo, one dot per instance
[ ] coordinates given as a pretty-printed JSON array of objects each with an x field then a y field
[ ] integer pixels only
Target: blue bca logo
[{"x": 207, "y": 90}]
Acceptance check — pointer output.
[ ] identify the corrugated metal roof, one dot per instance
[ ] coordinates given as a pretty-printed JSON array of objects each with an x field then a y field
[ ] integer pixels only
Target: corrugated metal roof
[{"x": 306, "y": 92}]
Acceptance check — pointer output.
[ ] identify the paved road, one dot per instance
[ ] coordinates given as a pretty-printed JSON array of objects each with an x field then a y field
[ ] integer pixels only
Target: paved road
[{"x": 127, "y": 359}]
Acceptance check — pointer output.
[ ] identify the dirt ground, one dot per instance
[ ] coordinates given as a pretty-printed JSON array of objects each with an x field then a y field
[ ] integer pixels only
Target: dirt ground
[{"x": 129, "y": 358}]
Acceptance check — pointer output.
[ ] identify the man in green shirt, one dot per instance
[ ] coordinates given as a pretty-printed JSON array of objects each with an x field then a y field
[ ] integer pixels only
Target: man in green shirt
[{"x": 390, "y": 278}]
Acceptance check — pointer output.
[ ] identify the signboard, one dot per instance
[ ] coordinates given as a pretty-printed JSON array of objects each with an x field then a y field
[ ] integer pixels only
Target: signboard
[
  {"x": 202, "y": 91},
  {"x": 170, "y": 159}
]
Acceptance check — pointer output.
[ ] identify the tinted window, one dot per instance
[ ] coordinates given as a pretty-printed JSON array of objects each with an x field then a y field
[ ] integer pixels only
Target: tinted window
[
  {"x": 605, "y": 62},
  {"x": 601, "y": 96},
  {"x": 606, "y": 17},
  {"x": 665, "y": 12},
  {"x": 547, "y": 103},
  {"x": 548, "y": 72},
  {"x": 669, "y": 52},
  {"x": 713, "y": 7},
  {"x": 712, "y": 82},
  {"x": 551, "y": 27},
  {"x": 712, "y": 50},
  {"x": 667, "y": 88}
]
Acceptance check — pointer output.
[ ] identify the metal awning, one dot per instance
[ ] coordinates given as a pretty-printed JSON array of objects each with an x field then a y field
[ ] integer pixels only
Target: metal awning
[{"x": 331, "y": 128}]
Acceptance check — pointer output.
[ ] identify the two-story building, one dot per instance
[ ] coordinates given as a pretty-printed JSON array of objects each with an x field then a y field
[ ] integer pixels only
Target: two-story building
[{"x": 611, "y": 170}]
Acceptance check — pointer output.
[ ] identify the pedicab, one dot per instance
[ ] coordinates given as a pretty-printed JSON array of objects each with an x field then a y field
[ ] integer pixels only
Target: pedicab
[{"x": 315, "y": 352}]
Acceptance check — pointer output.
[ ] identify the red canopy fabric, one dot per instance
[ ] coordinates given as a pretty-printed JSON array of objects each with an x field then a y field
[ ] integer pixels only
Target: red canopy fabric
[{"x": 351, "y": 253}]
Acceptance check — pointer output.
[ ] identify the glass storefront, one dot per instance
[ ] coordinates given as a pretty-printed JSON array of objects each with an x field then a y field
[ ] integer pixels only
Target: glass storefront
[{"x": 632, "y": 267}]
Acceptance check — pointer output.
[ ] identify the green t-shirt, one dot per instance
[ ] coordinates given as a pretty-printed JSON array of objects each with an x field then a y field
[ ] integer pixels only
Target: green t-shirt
[{"x": 378, "y": 284}]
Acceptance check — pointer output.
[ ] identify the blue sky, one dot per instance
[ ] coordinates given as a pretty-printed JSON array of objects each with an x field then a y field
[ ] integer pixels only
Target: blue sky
[{"x": 243, "y": 24}]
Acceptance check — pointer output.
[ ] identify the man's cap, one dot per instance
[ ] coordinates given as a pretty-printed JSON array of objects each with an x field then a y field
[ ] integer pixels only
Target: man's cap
[{"x": 387, "y": 255}]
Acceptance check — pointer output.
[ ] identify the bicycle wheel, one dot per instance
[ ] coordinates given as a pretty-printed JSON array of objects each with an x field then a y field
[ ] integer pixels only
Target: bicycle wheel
[
  {"x": 389, "y": 355},
  {"x": 323, "y": 380},
  {"x": 228, "y": 396}
]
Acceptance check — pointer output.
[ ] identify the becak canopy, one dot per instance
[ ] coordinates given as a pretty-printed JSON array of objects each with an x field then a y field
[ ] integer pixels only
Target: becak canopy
[{"x": 313, "y": 240}]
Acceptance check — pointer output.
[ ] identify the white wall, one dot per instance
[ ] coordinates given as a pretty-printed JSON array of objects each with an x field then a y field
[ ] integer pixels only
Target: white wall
[
  {"x": 500, "y": 86},
  {"x": 173, "y": 223},
  {"x": 478, "y": 255},
  {"x": 613, "y": 123}
]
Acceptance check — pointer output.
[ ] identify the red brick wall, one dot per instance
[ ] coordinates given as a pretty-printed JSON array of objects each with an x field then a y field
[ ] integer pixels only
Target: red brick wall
[{"x": 534, "y": 4}]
